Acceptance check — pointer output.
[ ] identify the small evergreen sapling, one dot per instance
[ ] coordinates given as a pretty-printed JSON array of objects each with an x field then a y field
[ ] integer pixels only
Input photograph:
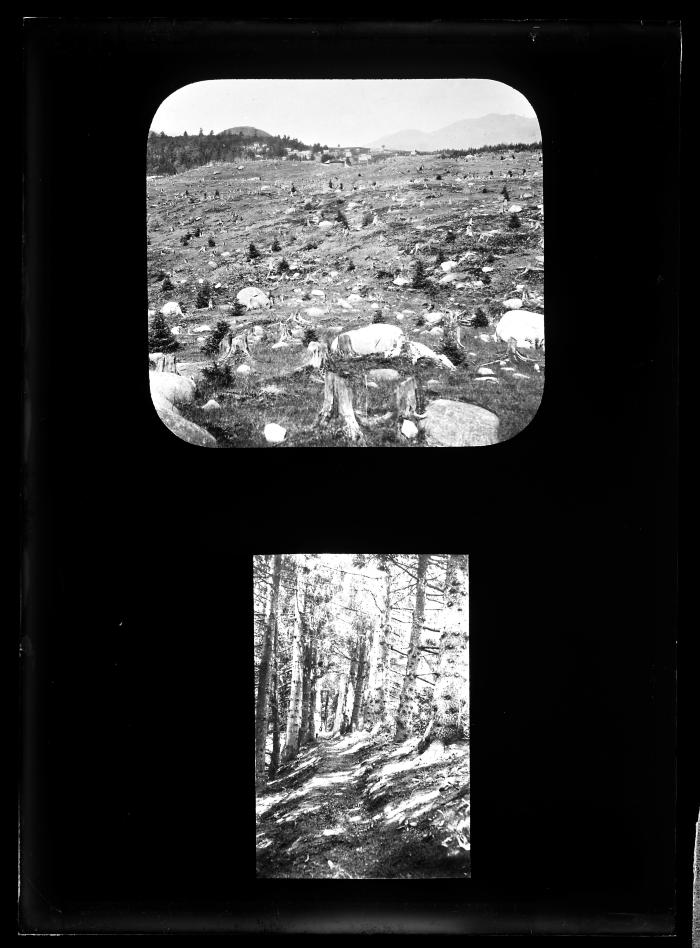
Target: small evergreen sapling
[{"x": 160, "y": 337}]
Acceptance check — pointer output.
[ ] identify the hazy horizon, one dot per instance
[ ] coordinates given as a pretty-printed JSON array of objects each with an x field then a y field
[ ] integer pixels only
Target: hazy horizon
[{"x": 334, "y": 111}]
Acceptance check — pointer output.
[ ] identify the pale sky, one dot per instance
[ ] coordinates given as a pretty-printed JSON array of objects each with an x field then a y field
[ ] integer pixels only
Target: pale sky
[{"x": 334, "y": 111}]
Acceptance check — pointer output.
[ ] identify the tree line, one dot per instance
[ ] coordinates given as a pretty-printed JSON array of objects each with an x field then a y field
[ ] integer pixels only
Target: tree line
[
  {"x": 171, "y": 154},
  {"x": 381, "y": 645}
]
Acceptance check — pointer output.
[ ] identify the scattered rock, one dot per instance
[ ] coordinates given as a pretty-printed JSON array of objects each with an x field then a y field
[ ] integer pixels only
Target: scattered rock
[
  {"x": 274, "y": 433},
  {"x": 485, "y": 371},
  {"x": 211, "y": 405},
  {"x": 513, "y": 304},
  {"x": 171, "y": 309},
  {"x": 459, "y": 424},
  {"x": 527, "y": 328},
  {"x": 186, "y": 430},
  {"x": 243, "y": 369},
  {"x": 514, "y": 209},
  {"x": 253, "y": 298},
  {"x": 383, "y": 375},
  {"x": 401, "y": 281},
  {"x": 173, "y": 388},
  {"x": 376, "y": 338},
  {"x": 449, "y": 265},
  {"x": 408, "y": 429}
]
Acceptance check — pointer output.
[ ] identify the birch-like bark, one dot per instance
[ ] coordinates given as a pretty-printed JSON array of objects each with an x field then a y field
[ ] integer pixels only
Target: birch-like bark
[
  {"x": 265, "y": 671},
  {"x": 407, "y": 701},
  {"x": 451, "y": 696},
  {"x": 291, "y": 743}
]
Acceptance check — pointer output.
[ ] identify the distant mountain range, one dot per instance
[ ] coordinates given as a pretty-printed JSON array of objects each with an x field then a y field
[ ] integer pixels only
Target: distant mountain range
[
  {"x": 247, "y": 131},
  {"x": 489, "y": 129}
]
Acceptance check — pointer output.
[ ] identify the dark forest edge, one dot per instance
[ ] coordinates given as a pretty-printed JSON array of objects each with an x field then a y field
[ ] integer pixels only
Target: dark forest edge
[{"x": 173, "y": 154}]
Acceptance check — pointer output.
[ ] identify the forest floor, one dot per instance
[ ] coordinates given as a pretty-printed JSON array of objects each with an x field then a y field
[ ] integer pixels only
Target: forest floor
[{"x": 364, "y": 807}]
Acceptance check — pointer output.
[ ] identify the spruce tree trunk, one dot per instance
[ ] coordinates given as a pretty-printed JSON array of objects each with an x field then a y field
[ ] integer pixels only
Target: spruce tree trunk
[
  {"x": 325, "y": 710},
  {"x": 291, "y": 743},
  {"x": 315, "y": 711},
  {"x": 274, "y": 711},
  {"x": 382, "y": 647},
  {"x": 306, "y": 696},
  {"x": 407, "y": 701},
  {"x": 265, "y": 671},
  {"x": 360, "y": 685},
  {"x": 340, "y": 706},
  {"x": 450, "y": 708}
]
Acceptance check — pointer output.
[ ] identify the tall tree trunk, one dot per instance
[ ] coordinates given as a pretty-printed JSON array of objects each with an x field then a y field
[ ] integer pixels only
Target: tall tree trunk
[
  {"x": 382, "y": 648},
  {"x": 274, "y": 710},
  {"x": 407, "y": 701},
  {"x": 350, "y": 690},
  {"x": 306, "y": 695},
  {"x": 450, "y": 698},
  {"x": 265, "y": 671},
  {"x": 324, "y": 717},
  {"x": 340, "y": 706},
  {"x": 291, "y": 743},
  {"x": 360, "y": 684},
  {"x": 315, "y": 710}
]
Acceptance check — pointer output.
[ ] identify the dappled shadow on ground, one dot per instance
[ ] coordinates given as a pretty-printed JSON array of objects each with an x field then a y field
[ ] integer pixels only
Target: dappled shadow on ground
[{"x": 364, "y": 807}]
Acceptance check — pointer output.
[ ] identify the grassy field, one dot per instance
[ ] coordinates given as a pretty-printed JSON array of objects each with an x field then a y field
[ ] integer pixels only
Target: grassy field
[{"x": 396, "y": 215}]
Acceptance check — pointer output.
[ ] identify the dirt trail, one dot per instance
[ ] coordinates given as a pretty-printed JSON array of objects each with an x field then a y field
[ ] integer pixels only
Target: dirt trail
[{"x": 326, "y": 817}]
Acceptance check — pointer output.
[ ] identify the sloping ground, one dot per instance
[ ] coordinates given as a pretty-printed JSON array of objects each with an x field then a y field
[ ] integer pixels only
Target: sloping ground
[
  {"x": 362, "y": 807},
  {"x": 340, "y": 278}
]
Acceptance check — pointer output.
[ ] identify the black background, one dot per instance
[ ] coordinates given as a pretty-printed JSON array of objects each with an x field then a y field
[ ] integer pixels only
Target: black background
[{"x": 136, "y": 677}]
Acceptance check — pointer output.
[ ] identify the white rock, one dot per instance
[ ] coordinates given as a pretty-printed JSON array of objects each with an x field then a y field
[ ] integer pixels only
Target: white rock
[
  {"x": 486, "y": 269},
  {"x": 171, "y": 309},
  {"x": 211, "y": 405},
  {"x": 401, "y": 281},
  {"x": 525, "y": 327},
  {"x": 383, "y": 375},
  {"x": 376, "y": 338},
  {"x": 171, "y": 387},
  {"x": 513, "y": 304},
  {"x": 243, "y": 369},
  {"x": 274, "y": 433},
  {"x": 484, "y": 337},
  {"x": 514, "y": 209},
  {"x": 203, "y": 328},
  {"x": 434, "y": 318},
  {"x": 324, "y": 225},
  {"x": 449, "y": 423},
  {"x": 485, "y": 371},
  {"x": 318, "y": 293},
  {"x": 253, "y": 298},
  {"x": 436, "y": 331},
  {"x": 176, "y": 330},
  {"x": 280, "y": 345},
  {"x": 408, "y": 429},
  {"x": 419, "y": 351},
  {"x": 315, "y": 311}
]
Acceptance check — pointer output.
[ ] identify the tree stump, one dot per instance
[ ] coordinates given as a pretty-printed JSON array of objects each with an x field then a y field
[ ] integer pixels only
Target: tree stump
[
  {"x": 231, "y": 344},
  {"x": 337, "y": 403},
  {"x": 408, "y": 398},
  {"x": 318, "y": 354},
  {"x": 164, "y": 362}
]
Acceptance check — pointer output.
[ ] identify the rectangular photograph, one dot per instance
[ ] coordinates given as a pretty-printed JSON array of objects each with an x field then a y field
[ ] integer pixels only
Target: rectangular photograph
[
  {"x": 345, "y": 262},
  {"x": 362, "y": 716}
]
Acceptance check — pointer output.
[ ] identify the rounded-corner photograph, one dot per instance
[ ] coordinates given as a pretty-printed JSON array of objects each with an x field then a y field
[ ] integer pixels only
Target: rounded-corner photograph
[{"x": 345, "y": 263}]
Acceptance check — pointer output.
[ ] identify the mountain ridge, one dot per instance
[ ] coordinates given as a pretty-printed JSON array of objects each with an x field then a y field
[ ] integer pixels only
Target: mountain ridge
[{"x": 490, "y": 129}]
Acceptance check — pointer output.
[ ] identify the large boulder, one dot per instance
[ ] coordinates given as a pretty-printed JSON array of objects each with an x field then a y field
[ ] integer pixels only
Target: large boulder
[
  {"x": 253, "y": 298},
  {"x": 184, "y": 429},
  {"x": 383, "y": 375},
  {"x": 171, "y": 309},
  {"x": 172, "y": 388},
  {"x": 527, "y": 328},
  {"x": 450, "y": 424},
  {"x": 379, "y": 338}
]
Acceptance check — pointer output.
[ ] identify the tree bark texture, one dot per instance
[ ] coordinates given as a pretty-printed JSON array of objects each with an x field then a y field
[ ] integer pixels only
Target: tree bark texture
[
  {"x": 451, "y": 697},
  {"x": 360, "y": 683},
  {"x": 407, "y": 701},
  {"x": 337, "y": 404},
  {"x": 274, "y": 710},
  {"x": 291, "y": 744},
  {"x": 265, "y": 671}
]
